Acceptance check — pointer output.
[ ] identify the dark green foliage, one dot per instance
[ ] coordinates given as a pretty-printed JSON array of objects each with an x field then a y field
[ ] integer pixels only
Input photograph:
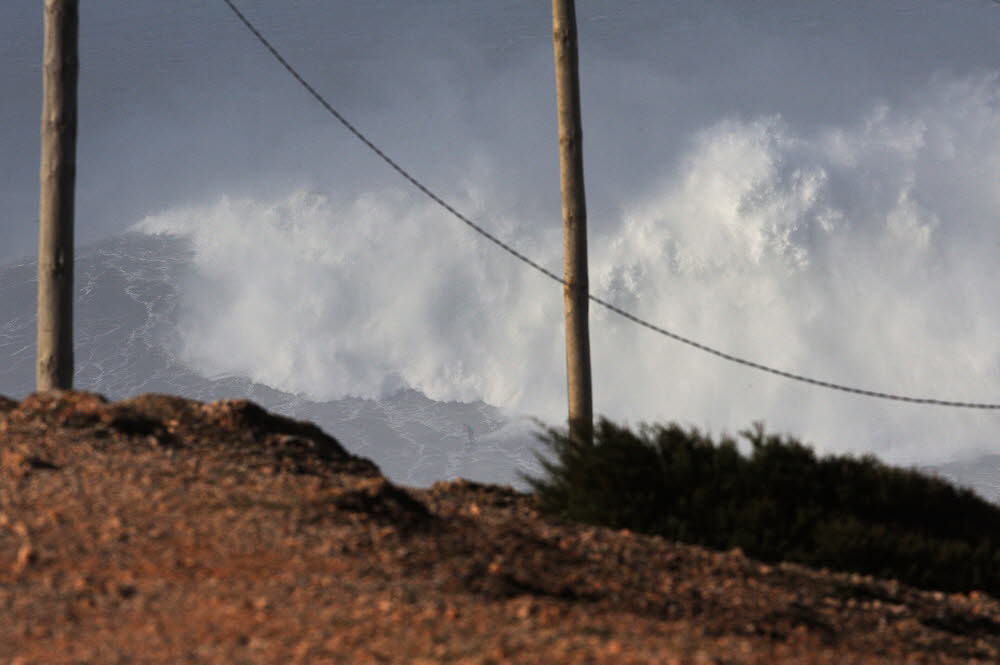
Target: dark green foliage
[{"x": 780, "y": 503}]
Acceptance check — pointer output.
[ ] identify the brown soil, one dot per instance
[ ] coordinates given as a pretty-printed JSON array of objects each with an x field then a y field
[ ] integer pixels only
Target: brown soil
[{"x": 162, "y": 530}]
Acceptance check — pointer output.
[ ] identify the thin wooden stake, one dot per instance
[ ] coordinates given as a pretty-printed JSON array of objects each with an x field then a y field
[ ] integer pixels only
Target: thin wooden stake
[
  {"x": 54, "y": 368},
  {"x": 575, "y": 300}
]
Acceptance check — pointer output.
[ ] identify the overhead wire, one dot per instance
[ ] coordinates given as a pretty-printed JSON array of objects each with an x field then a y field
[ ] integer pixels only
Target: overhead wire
[{"x": 551, "y": 275}]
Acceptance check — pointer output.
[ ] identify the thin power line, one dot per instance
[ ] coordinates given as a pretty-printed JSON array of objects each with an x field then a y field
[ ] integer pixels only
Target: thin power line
[{"x": 548, "y": 273}]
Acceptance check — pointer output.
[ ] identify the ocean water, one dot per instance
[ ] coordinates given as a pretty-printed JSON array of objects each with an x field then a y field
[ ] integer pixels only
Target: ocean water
[
  {"x": 811, "y": 186},
  {"x": 126, "y": 336}
]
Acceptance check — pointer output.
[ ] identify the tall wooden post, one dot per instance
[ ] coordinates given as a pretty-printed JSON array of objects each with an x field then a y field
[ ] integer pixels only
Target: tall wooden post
[
  {"x": 576, "y": 288},
  {"x": 54, "y": 367}
]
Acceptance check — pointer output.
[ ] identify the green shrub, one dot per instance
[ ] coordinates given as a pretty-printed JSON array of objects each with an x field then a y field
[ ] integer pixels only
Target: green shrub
[{"x": 781, "y": 502}]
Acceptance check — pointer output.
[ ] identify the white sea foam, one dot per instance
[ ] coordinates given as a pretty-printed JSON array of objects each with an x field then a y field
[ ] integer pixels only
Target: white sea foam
[{"x": 861, "y": 254}]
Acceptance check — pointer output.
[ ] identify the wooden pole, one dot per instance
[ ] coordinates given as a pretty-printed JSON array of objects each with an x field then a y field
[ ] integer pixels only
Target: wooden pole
[
  {"x": 54, "y": 368},
  {"x": 576, "y": 288}
]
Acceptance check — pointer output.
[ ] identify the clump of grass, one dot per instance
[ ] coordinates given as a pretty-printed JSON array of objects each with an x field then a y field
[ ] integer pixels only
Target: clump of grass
[{"x": 780, "y": 503}]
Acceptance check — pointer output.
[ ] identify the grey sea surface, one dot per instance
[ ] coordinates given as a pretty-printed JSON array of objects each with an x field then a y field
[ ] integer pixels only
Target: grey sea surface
[
  {"x": 125, "y": 330},
  {"x": 981, "y": 474}
]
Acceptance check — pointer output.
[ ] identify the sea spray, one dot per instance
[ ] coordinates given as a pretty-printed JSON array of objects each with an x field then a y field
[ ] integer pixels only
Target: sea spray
[{"x": 858, "y": 253}]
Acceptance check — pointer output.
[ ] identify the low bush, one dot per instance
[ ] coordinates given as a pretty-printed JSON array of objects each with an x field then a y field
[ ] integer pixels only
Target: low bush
[{"x": 781, "y": 502}]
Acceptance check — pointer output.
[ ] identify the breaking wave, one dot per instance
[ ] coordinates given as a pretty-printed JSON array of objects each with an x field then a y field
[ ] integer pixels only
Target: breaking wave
[{"x": 862, "y": 254}]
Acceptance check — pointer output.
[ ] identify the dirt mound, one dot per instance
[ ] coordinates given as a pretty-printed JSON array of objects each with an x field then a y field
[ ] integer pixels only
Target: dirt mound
[
  {"x": 238, "y": 428},
  {"x": 163, "y": 530}
]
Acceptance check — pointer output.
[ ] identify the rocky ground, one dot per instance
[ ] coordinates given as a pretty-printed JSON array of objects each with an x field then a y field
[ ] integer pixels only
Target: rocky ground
[{"x": 162, "y": 530}]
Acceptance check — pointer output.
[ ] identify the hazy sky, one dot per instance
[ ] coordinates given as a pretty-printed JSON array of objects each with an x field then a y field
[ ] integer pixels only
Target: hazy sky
[{"x": 808, "y": 184}]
